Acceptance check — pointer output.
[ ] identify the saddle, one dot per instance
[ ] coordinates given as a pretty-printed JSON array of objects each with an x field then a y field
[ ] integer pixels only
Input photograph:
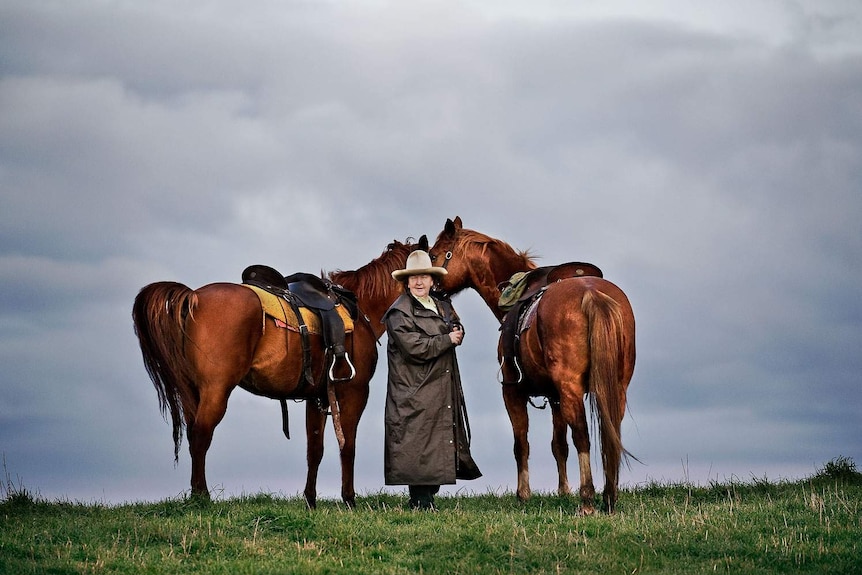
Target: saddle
[
  {"x": 517, "y": 296},
  {"x": 304, "y": 290}
]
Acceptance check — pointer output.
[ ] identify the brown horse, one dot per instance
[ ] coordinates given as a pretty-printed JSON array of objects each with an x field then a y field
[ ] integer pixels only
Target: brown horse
[
  {"x": 199, "y": 345},
  {"x": 581, "y": 341}
]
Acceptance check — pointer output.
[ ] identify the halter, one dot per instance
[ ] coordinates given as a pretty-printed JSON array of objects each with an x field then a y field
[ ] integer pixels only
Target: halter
[
  {"x": 446, "y": 259},
  {"x": 441, "y": 293}
]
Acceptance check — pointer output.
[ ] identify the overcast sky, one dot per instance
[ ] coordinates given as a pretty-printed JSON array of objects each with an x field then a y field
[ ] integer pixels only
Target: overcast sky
[{"x": 707, "y": 156}]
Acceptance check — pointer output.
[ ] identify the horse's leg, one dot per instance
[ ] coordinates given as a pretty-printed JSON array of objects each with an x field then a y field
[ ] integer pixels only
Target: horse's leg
[
  {"x": 560, "y": 448},
  {"x": 210, "y": 412},
  {"x": 516, "y": 407},
  {"x": 574, "y": 413},
  {"x": 225, "y": 329},
  {"x": 352, "y": 398},
  {"x": 315, "y": 421}
]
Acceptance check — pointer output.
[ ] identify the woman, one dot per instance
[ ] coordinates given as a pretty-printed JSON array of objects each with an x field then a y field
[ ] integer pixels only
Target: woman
[{"x": 427, "y": 433}]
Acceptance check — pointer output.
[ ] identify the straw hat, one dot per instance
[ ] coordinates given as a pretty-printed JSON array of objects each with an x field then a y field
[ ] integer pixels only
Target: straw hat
[{"x": 418, "y": 263}]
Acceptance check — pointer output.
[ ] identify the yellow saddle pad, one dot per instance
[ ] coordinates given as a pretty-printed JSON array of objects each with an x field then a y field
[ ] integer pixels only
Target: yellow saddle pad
[{"x": 279, "y": 309}]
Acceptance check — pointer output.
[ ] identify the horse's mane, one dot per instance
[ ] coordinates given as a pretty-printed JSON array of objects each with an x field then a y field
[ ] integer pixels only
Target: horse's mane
[
  {"x": 466, "y": 237},
  {"x": 374, "y": 279}
]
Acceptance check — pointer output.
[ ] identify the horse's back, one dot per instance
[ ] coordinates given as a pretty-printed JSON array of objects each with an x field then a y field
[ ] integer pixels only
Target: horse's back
[{"x": 229, "y": 305}]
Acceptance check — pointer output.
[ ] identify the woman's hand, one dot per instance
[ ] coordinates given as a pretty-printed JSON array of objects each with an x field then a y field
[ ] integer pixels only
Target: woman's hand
[{"x": 457, "y": 334}]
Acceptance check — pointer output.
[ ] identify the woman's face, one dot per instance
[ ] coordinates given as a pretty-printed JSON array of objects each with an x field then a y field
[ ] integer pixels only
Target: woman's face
[{"x": 420, "y": 285}]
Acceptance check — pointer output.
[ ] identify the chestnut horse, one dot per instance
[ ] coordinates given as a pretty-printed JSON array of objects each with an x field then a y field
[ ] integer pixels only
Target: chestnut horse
[
  {"x": 581, "y": 341},
  {"x": 199, "y": 345}
]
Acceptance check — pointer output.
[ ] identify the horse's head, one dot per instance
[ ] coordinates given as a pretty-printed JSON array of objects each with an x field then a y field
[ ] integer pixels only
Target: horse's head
[
  {"x": 448, "y": 252},
  {"x": 475, "y": 260}
]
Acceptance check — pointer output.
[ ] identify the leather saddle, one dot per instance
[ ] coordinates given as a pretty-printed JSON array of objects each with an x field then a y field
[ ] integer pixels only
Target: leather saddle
[
  {"x": 320, "y": 296},
  {"x": 518, "y": 293}
]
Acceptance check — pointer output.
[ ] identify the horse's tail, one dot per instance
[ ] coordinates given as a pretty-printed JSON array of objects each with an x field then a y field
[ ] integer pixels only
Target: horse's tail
[
  {"x": 610, "y": 349},
  {"x": 159, "y": 315}
]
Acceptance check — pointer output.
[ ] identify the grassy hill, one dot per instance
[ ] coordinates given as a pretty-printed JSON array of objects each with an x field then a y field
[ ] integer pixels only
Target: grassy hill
[{"x": 809, "y": 526}]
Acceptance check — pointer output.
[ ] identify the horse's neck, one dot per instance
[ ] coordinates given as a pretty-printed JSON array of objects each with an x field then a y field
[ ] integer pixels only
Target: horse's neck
[
  {"x": 498, "y": 269},
  {"x": 374, "y": 308},
  {"x": 371, "y": 304},
  {"x": 490, "y": 295}
]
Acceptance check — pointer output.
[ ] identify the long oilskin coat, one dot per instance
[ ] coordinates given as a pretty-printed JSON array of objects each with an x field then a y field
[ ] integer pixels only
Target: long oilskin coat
[{"x": 427, "y": 440}]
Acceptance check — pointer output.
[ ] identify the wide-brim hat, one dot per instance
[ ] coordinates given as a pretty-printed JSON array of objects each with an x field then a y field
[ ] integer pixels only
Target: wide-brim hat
[{"x": 418, "y": 263}]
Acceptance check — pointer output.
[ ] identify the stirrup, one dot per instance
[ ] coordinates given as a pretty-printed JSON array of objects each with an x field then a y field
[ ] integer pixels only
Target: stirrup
[{"x": 332, "y": 369}]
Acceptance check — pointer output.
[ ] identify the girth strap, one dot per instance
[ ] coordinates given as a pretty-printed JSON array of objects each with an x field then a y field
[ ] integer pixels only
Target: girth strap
[
  {"x": 285, "y": 423},
  {"x": 514, "y": 322}
]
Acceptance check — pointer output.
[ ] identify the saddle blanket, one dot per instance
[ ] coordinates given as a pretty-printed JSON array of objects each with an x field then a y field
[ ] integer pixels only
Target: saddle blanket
[
  {"x": 276, "y": 308},
  {"x": 529, "y": 314}
]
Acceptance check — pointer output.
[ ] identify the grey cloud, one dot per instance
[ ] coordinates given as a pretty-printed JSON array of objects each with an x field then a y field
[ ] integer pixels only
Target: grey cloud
[{"x": 711, "y": 172}]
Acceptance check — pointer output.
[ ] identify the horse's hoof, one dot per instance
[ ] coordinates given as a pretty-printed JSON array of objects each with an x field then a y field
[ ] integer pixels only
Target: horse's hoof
[
  {"x": 588, "y": 510},
  {"x": 200, "y": 493},
  {"x": 200, "y": 498}
]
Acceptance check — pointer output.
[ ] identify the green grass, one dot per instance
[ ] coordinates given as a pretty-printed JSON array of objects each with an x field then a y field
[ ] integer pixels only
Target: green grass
[{"x": 809, "y": 526}]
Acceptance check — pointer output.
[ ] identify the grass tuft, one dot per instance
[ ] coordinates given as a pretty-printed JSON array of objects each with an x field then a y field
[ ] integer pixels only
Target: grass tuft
[
  {"x": 841, "y": 469},
  {"x": 14, "y": 494}
]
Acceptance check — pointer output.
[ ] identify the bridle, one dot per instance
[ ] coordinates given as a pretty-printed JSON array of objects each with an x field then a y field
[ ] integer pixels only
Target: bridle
[
  {"x": 440, "y": 292},
  {"x": 447, "y": 256}
]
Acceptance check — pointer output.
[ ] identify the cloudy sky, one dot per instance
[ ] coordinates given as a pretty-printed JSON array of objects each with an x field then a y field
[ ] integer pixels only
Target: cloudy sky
[{"x": 707, "y": 156}]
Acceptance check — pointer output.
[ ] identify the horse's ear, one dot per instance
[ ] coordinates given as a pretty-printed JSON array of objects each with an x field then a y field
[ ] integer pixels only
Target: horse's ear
[
  {"x": 451, "y": 227},
  {"x": 423, "y": 243}
]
